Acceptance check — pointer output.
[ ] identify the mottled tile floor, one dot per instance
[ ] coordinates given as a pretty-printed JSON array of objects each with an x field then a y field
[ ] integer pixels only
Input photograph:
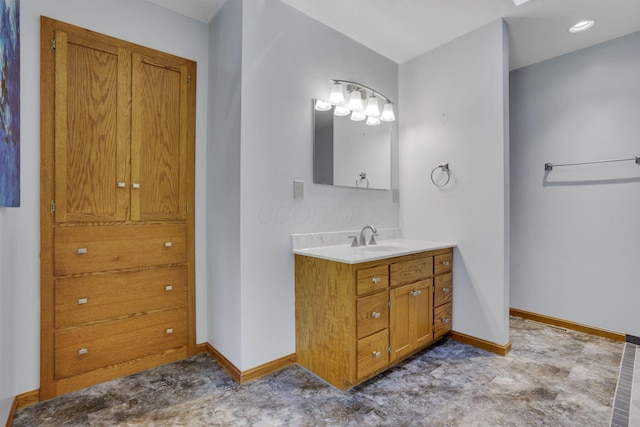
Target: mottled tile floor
[{"x": 550, "y": 378}]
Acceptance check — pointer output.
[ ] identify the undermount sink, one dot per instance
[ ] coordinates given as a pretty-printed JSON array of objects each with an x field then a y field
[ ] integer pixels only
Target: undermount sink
[{"x": 382, "y": 248}]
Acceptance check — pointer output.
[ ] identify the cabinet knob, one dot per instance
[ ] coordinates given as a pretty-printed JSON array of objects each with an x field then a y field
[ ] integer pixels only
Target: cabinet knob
[
  {"x": 82, "y": 250},
  {"x": 445, "y": 262},
  {"x": 168, "y": 288},
  {"x": 446, "y": 289},
  {"x": 376, "y": 354},
  {"x": 122, "y": 184},
  {"x": 168, "y": 244},
  {"x": 135, "y": 185},
  {"x": 83, "y": 301},
  {"x": 376, "y": 280},
  {"x": 169, "y": 331},
  {"x": 416, "y": 292},
  {"x": 83, "y": 351},
  {"x": 375, "y": 314}
]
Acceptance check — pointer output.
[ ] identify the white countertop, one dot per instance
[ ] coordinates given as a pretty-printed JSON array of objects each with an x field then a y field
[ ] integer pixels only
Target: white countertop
[{"x": 384, "y": 249}]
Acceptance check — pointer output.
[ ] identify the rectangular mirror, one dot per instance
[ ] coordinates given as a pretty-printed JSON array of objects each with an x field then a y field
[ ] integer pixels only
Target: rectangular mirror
[{"x": 351, "y": 154}]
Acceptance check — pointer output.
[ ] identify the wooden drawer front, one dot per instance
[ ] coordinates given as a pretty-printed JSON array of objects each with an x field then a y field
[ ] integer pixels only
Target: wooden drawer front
[
  {"x": 373, "y": 353},
  {"x": 90, "y": 249},
  {"x": 442, "y": 317},
  {"x": 443, "y": 263},
  {"x": 443, "y": 289},
  {"x": 373, "y": 314},
  {"x": 372, "y": 279},
  {"x": 87, "y": 299},
  {"x": 411, "y": 271},
  {"x": 87, "y": 348}
]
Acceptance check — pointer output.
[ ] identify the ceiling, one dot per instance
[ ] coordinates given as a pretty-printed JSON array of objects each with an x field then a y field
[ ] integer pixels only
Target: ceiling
[{"x": 404, "y": 29}]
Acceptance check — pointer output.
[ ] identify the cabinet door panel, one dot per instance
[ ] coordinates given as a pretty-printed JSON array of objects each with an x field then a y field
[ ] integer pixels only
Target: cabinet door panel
[
  {"x": 400, "y": 321},
  {"x": 423, "y": 312},
  {"x": 91, "y": 147},
  {"x": 159, "y": 139}
]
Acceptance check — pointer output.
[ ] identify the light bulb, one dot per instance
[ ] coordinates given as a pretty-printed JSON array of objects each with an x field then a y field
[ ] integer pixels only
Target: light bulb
[
  {"x": 357, "y": 116},
  {"x": 322, "y": 105},
  {"x": 372, "y": 106},
  {"x": 355, "y": 101},
  {"x": 341, "y": 111},
  {"x": 387, "y": 113},
  {"x": 337, "y": 95},
  {"x": 373, "y": 121}
]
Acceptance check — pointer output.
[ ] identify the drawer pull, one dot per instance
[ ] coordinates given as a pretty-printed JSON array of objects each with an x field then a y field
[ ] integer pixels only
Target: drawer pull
[
  {"x": 122, "y": 184},
  {"x": 169, "y": 331},
  {"x": 376, "y": 280},
  {"x": 83, "y": 301},
  {"x": 83, "y": 351},
  {"x": 416, "y": 292},
  {"x": 445, "y": 262},
  {"x": 445, "y": 320},
  {"x": 82, "y": 250},
  {"x": 168, "y": 288},
  {"x": 376, "y": 354},
  {"x": 446, "y": 289},
  {"x": 375, "y": 314},
  {"x": 135, "y": 185},
  {"x": 168, "y": 244}
]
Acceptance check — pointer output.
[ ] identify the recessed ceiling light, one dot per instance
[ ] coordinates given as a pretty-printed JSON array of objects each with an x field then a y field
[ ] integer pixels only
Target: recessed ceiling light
[{"x": 582, "y": 26}]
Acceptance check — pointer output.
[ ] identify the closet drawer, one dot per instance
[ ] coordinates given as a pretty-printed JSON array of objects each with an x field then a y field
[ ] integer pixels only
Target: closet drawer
[
  {"x": 373, "y": 353},
  {"x": 373, "y": 314},
  {"x": 87, "y": 348},
  {"x": 372, "y": 279},
  {"x": 443, "y": 263},
  {"x": 91, "y": 249},
  {"x": 88, "y": 299},
  {"x": 442, "y": 320},
  {"x": 411, "y": 271},
  {"x": 443, "y": 289}
]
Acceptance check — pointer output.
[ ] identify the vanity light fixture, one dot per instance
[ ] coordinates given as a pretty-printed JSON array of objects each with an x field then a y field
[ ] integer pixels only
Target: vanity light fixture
[
  {"x": 581, "y": 26},
  {"x": 355, "y": 106}
]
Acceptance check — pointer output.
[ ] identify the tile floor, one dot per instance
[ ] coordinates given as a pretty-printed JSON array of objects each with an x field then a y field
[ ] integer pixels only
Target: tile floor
[{"x": 551, "y": 378}]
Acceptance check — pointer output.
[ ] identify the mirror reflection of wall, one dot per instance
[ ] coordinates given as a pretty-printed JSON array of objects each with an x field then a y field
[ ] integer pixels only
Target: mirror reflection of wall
[{"x": 345, "y": 149}]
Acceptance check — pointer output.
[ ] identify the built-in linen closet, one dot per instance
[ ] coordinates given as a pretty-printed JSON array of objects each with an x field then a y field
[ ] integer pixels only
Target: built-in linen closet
[{"x": 117, "y": 208}]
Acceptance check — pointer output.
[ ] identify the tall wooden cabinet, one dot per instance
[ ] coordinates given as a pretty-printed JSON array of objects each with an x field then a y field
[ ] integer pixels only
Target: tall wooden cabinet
[{"x": 117, "y": 208}]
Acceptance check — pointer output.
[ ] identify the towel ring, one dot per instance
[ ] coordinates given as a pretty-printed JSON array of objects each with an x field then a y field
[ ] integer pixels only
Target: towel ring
[
  {"x": 363, "y": 180},
  {"x": 445, "y": 168}
]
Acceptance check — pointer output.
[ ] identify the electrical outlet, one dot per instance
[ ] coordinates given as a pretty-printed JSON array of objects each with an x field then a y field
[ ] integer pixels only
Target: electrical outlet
[
  {"x": 298, "y": 190},
  {"x": 396, "y": 195}
]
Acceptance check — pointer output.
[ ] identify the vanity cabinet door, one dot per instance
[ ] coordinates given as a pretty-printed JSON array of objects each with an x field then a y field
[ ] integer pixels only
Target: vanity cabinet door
[{"x": 411, "y": 317}]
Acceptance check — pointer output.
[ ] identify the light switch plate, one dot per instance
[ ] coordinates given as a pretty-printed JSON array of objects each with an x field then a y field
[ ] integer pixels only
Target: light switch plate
[
  {"x": 396, "y": 195},
  {"x": 298, "y": 189}
]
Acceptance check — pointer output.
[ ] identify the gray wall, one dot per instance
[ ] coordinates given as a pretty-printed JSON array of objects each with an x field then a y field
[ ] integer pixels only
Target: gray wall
[
  {"x": 575, "y": 236},
  {"x": 454, "y": 109},
  {"x": 223, "y": 181}
]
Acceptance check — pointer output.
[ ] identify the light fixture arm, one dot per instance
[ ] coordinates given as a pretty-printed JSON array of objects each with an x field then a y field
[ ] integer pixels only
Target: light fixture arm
[{"x": 359, "y": 85}]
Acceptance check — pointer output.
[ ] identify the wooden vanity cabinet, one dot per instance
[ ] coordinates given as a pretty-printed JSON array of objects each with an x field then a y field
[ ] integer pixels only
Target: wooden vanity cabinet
[{"x": 356, "y": 320}]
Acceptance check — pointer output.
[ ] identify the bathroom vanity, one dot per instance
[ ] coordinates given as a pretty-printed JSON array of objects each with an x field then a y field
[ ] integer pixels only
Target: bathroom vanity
[{"x": 361, "y": 310}]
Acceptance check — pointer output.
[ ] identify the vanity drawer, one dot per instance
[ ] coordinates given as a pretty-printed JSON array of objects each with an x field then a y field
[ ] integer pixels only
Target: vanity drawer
[
  {"x": 442, "y": 320},
  {"x": 373, "y": 353},
  {"x": 372, "y": 279},
  {"x": 443, "y": 263},
  {"x": 93, "y": 298},
  {"x": 91, "y": 249},
  {"x": 443, "y": 289},
  {"x": 373, "y": 314},
  {"x": 411, "y": 271},
  {"x": 87, "y": 348}
]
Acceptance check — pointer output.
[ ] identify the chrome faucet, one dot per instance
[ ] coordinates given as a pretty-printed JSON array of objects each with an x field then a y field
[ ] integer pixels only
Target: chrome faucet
[{"x": 362, "y": 241}]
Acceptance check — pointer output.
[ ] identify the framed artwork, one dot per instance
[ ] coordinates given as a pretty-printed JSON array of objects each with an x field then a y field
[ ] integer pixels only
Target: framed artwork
[{"x": 9, "y": 103}]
